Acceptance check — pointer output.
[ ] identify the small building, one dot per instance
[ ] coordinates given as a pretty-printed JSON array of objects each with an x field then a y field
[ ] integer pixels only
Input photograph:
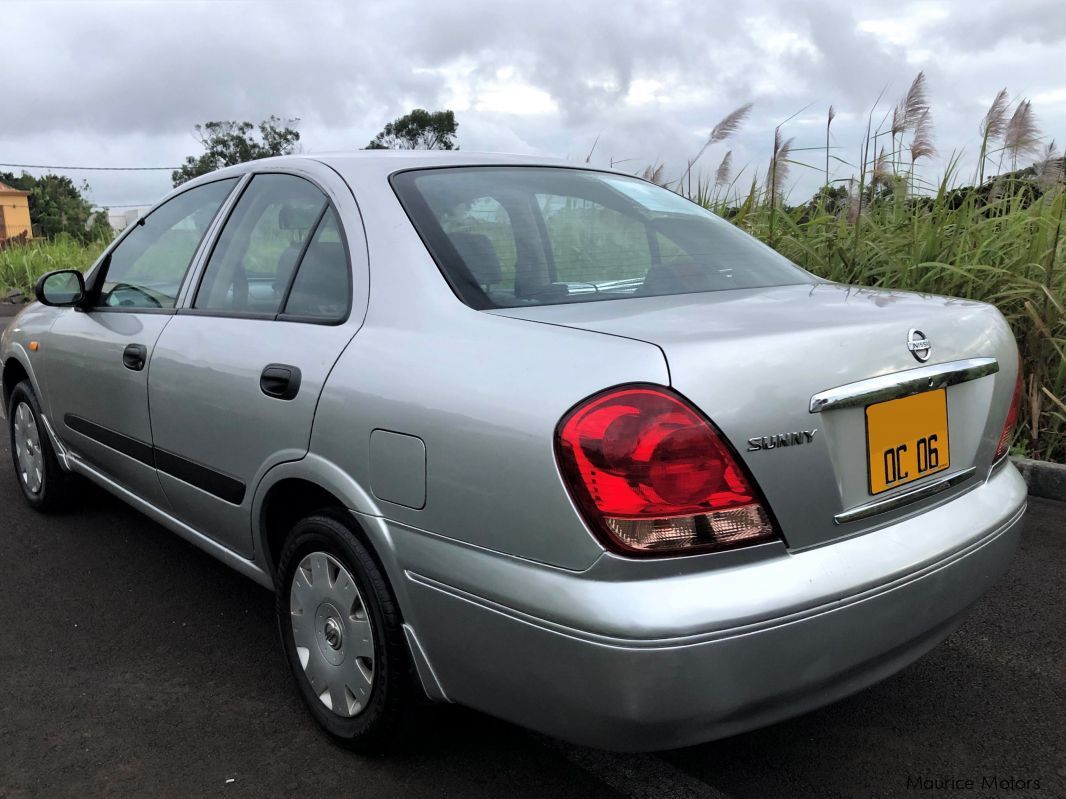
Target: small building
[
  {"x": 14, "y": 213},
  {"x": 120, "y": 220}
]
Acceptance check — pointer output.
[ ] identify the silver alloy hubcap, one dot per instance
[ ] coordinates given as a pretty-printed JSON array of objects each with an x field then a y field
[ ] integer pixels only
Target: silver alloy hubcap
[
  {"x": 332, "y": 633},
  {"x": 28, "y": 449}
]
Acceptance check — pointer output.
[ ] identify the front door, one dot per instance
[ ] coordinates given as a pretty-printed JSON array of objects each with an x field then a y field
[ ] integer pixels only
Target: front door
[
  {"x": 236, "y": 378},
  {"x": 96, "y": 360}
]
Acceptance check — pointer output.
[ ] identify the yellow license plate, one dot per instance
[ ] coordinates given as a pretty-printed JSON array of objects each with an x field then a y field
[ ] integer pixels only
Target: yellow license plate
[{"x": 907, "y": 439}]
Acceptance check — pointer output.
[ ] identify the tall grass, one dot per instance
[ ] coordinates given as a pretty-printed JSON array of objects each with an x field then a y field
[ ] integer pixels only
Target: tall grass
[
  {"x": 22, "y": 264},
  {"x": 1000, "y": 241}
]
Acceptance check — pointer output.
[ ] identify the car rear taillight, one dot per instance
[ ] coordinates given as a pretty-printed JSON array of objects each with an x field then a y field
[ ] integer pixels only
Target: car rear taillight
[
  {"x": 652, "y": 476},
  {"x": 1007, "y": 436}
]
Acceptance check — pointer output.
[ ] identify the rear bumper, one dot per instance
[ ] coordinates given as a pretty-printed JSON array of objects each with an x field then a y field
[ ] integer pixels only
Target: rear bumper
[{"x": 605, "y": 658}]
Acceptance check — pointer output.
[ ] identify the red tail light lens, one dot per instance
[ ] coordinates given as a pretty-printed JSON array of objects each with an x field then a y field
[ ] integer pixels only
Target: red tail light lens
[
  {"x": 652, "y": 476},
  {"x": 1007, "y": 436}
]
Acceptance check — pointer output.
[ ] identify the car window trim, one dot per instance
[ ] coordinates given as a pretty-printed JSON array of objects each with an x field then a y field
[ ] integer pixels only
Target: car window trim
[
  {"x": 196, "y": 271},
  {"x": 187, "y": 308},
  {"x": 100, "y": 274}
]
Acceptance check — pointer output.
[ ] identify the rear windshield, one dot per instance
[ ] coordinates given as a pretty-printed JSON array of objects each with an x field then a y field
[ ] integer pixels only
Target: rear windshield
[{"x": 519, "y": 236}]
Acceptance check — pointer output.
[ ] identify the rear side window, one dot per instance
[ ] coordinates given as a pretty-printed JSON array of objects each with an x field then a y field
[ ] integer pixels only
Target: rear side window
[
  {"x": 255, "y": 260},
  {"x": 146, "y": 268},
  {"x": 519, "y": 236},
  {"x": 322, "y": 284}
]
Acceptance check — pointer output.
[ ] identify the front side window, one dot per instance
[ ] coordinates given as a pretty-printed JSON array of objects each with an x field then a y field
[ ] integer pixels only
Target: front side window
[
  {"x": 146, "y": 268},
  {"x": 255, "y": 258},
  {"x": 519, "y": 236}
]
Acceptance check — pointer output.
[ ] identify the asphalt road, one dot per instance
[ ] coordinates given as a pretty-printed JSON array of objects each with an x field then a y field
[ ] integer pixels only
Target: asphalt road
[{"x": 132, "y": 664}]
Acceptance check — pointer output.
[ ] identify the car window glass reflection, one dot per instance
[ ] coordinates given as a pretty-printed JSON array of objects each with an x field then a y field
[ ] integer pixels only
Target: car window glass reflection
[
  {"x": 147, "y": 267},
  {"x": 253, "y": 262}
]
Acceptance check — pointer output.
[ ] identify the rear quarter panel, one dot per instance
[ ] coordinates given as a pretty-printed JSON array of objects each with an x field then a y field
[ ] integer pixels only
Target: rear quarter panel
[{"x": 484, "y": 394}]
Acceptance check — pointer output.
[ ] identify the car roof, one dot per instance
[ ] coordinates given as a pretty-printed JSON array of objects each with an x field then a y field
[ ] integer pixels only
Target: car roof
[
  {"x": 389, "y": 161},
  {"x": 372, "y": 168}
]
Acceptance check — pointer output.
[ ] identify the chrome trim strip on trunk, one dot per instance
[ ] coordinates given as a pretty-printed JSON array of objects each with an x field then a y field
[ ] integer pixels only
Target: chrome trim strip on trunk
[
  {"x": 904, "y": 498},
  {"x": 903, "y": 384}
]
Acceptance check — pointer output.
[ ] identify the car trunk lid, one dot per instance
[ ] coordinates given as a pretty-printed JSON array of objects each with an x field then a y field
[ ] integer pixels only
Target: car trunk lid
[{"x": 753, "y": 360}]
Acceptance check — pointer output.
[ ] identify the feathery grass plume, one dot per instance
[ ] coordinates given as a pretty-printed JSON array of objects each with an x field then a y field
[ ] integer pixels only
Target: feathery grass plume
[
  {"x": 729, "y": 125},
  {"x": 915, "y": 105},
  {"x": 922, "y": 143},
  {"x": 1049, "y": 167},
  {"x": 778, "y": 171},
  {"x": 1022, "y": 136},
  {"x": 854, "y": 205},
  {"x": 907, "y": 113},
  {"x": 993, "y": 126},
  {"x": 775, "y": 178},
  {"x": 653, "y": 174},
  {"x": 882, "y": 170},
  {"x": 897, "y": 127},
  {"x": 721, "y": 175}
]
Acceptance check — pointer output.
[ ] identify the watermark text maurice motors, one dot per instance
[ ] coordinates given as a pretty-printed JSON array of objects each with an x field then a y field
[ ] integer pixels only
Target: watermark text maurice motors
[{"x": 985, "y": 782}]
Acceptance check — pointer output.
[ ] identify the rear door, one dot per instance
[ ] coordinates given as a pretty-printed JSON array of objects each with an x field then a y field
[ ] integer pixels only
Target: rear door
[
  {"x": 236, "y": 376},
  {"x": 96, "y": 360}
]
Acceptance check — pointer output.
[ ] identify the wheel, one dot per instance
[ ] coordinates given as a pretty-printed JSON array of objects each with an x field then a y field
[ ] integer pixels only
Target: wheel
[
  {"x": 45, "y": 485},
  {"x": 343, "y": 636}
]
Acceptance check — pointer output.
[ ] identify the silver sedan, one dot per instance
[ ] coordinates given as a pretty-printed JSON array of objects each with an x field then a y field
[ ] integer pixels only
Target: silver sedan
[{"x": 548, "y": 441}]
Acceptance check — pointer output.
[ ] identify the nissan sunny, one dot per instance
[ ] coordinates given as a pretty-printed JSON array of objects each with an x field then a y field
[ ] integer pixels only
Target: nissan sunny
[{"x": 545, "y": 440}]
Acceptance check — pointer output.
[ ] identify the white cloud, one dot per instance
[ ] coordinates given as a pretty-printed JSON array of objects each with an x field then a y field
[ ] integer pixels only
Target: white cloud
[{"x": 124, "y": 83}]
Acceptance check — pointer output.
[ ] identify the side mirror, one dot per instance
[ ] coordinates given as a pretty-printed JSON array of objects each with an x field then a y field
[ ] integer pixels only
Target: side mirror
[{"x": 65, "y": 287}]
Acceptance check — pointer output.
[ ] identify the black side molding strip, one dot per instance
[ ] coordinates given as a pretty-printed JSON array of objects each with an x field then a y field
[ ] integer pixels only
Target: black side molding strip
[
  {"x": 119, "y": 442},
  {"x": 220, "y": 485},
  {"x": 215, "y": 483}
]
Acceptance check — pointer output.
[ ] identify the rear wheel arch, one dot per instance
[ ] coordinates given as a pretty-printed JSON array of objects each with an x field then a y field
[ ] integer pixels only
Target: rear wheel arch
[
  {"x": 293, "y": 497},
  {"x": 284, "y": 504},
  {"x": 291, "y": 490}
]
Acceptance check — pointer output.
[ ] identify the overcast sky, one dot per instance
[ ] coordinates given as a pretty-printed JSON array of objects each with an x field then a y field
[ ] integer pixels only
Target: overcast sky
[{"x": 123, "y": 83}]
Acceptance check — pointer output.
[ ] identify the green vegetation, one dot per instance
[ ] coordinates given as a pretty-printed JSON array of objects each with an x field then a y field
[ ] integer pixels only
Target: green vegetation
[
  {"x": 999, "y": 241},
  {"x": 21, "y": 265},
  {"x": 229, "y": 142},
  {"x": 58, "y": 206},
  {"x": 418, "y": 130},
  {"x": 1007, "y": 252}
]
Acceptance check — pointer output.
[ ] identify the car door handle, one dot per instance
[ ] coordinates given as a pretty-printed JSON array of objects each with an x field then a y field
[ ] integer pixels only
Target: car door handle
[
  {"x": 134, "y": 356},
  {"x": 280, "y": 381}
]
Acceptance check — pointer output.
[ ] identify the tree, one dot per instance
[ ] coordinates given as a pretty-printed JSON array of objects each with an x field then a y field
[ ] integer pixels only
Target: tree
[
  {"x": 227, "y": 143},
  {"x": 419, "y": 130},
  {"x": 58, "y": 206},
  {"x": 100, "y": 227}
]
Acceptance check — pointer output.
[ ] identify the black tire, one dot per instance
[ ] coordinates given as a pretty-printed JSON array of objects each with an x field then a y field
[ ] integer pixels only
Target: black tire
[
  {"x": 57, "y": 488},
  {"x": 385, "y": 718}
]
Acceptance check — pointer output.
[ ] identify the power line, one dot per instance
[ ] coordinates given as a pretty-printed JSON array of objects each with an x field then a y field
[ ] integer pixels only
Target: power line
[{"x": 98, "y": 168}]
